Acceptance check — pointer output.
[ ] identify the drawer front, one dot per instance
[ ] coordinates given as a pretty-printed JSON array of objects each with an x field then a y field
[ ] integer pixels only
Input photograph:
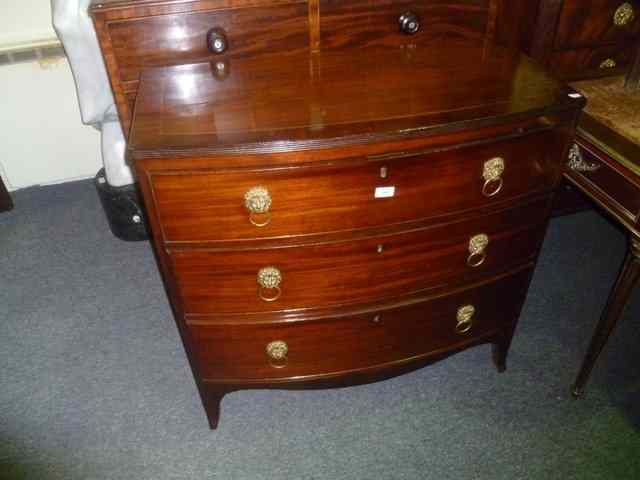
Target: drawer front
[
  {"x": 591, "y": 22},
  {"x": 227, "y": 282},
  {"x": 611, "y": 187},
  {"x": 210, "y": 205},
  {"x": 591, "y": 62},
  {"x": 182, "y": 38},
  {"x": 320, "y": 347},
  {"x": 359, "y": 23}
]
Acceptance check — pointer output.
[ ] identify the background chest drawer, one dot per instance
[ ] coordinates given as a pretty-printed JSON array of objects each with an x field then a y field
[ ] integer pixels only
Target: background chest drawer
[
  {"x": 224, "y": 282},
  {"x": 320, "y": 347},
  {"x": 358, "y": 23},
  {"x": 210, "y": 206},
  {"x": 591, "y": 62},
  {"x": 586, "y": 23},
  {"x": 180, "y": 38}
]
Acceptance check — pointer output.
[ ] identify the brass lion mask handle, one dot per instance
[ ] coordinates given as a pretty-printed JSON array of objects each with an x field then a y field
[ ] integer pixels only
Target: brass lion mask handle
[
  {"x": 478, "y": 250},
  {"x": 492, "y": 175},
  {"x": 257, "y": 201},
  {"x": 269, "y": 279},
  {"x": 277, "y": 352},
  {"x": 464, "y": 318},
  {"x": 624, "y": 15}
]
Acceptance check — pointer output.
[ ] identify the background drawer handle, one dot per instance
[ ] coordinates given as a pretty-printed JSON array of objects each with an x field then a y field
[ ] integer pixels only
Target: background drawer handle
[
  {"x": 258, "y": 201},
  {"x": 409, "y": 23},
  {"x": 624, "y": 15},
  {"x": 277, "y": 352},
  {"x": 492, "y": 175},
  {"x": 269, "y": 279},
  {"x": 217, "y": 41},
  {"x": 464, "y": 317},
  {"x": 477, "y": 250},
  {"x": 578, "y": 163},
  {"x": 608, "y": 63}
]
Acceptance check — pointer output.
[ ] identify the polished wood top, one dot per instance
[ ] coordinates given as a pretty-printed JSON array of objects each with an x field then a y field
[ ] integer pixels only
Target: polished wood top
[{"x": 337, "y": 98}]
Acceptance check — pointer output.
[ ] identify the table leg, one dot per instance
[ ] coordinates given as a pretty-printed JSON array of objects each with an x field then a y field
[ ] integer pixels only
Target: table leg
[{"x": 618, "y": 297}]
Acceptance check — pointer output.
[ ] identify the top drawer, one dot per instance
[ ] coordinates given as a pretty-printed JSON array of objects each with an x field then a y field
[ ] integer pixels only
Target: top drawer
[
  {"x": 181, "y": 38},
  {"x": 357, "y": 23},
  {"x": 210, "y": 205},
  {"x": 594, "y": 22}
]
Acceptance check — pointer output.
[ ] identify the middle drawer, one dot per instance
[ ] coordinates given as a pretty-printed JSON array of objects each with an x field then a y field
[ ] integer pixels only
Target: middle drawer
[{"x": 244, "y": 281}]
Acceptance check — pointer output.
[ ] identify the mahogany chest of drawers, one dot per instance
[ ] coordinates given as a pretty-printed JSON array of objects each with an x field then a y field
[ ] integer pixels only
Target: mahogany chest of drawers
[
  {"x": 315, "y": 254},
  {"x": 334, "y": 216}
]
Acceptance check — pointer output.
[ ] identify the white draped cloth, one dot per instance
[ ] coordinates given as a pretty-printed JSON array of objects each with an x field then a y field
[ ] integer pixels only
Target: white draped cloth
[{"x": 74, "y": 27}]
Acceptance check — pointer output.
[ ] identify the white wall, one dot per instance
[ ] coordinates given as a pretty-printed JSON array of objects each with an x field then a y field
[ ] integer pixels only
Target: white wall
[
  {"x": 42, "y": 139},
  {"x": 25, "y": 21}
]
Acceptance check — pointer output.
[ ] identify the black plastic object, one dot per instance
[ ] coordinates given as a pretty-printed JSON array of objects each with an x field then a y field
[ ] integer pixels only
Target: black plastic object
[{"x": 123, "y": 209}]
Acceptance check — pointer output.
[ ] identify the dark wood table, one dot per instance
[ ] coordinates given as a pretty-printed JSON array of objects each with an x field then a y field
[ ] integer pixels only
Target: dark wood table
[{"x": 605, "y": 165}]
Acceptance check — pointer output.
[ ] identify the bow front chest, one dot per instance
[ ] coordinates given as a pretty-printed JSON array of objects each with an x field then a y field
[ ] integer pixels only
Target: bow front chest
[{"x": 332, "y": 216}]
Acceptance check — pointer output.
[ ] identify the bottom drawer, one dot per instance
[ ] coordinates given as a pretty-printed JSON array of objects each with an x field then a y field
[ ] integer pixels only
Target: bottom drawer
[{"x": 355, "y": 342}]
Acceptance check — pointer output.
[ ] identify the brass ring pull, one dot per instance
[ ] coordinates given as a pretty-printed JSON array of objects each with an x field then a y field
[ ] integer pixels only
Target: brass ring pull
[
  {"x": 477, "y": 250},
  {"x": 492, "y": 174},
  {"x": 624, "y": 15},
  {"x": 277, "y": 352},
  {"x": 269, "y": 279},
  {"x": 258, "y": 202},
  {"x": 464, "y": 317},
  {"x": 491, "y": 192}
]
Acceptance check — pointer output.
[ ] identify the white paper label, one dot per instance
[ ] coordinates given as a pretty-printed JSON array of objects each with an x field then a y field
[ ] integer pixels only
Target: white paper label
[{"x": 385, "y": 192}]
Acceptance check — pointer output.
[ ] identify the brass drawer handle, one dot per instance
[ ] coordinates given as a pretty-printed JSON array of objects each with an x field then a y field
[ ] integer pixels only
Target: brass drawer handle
[
  {"x": 464, "y": 318},
  {"x": 277, "y": 352},
  {"x": 608, "y": 63},
  {"x": 492, "y": 174},
  {"x": 578, "y": 163},
  {"x": 258, "y": 202},
  {"x": 624, "y": 15},
  {"x": 477, "y": 250},
  {"x": 269, "y": 279}
]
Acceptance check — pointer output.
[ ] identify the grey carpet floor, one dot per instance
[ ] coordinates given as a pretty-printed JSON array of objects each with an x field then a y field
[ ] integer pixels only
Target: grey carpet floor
[{"x": 94, "y": 383}]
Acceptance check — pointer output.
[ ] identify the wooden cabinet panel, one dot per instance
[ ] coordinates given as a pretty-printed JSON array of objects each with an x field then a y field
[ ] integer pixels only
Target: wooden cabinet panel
[
  {"x": 177, "y": 39},
  {"x": 358, "y": 23},
  {"x": 592, "y": 22},
  {"x": 343, "y": 344},
  {"x": 209, "y": 205}
]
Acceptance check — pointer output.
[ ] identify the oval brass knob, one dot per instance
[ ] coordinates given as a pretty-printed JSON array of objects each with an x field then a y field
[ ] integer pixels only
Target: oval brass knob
[
  {"x": 277, "y": 352},
  {"x": 217, "y": 41},
  {"x": 464, "y": 318},
  {"x": 608, "y": 63},
  {"x": 624, "y": 15},
  {"x": 477, "y": 250},
  {"x": 409, "y": 23},
  {"x": 258, "y": 202},
  {"x": 492, "y": 174},
  {"x": 269, "y": 279}
]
